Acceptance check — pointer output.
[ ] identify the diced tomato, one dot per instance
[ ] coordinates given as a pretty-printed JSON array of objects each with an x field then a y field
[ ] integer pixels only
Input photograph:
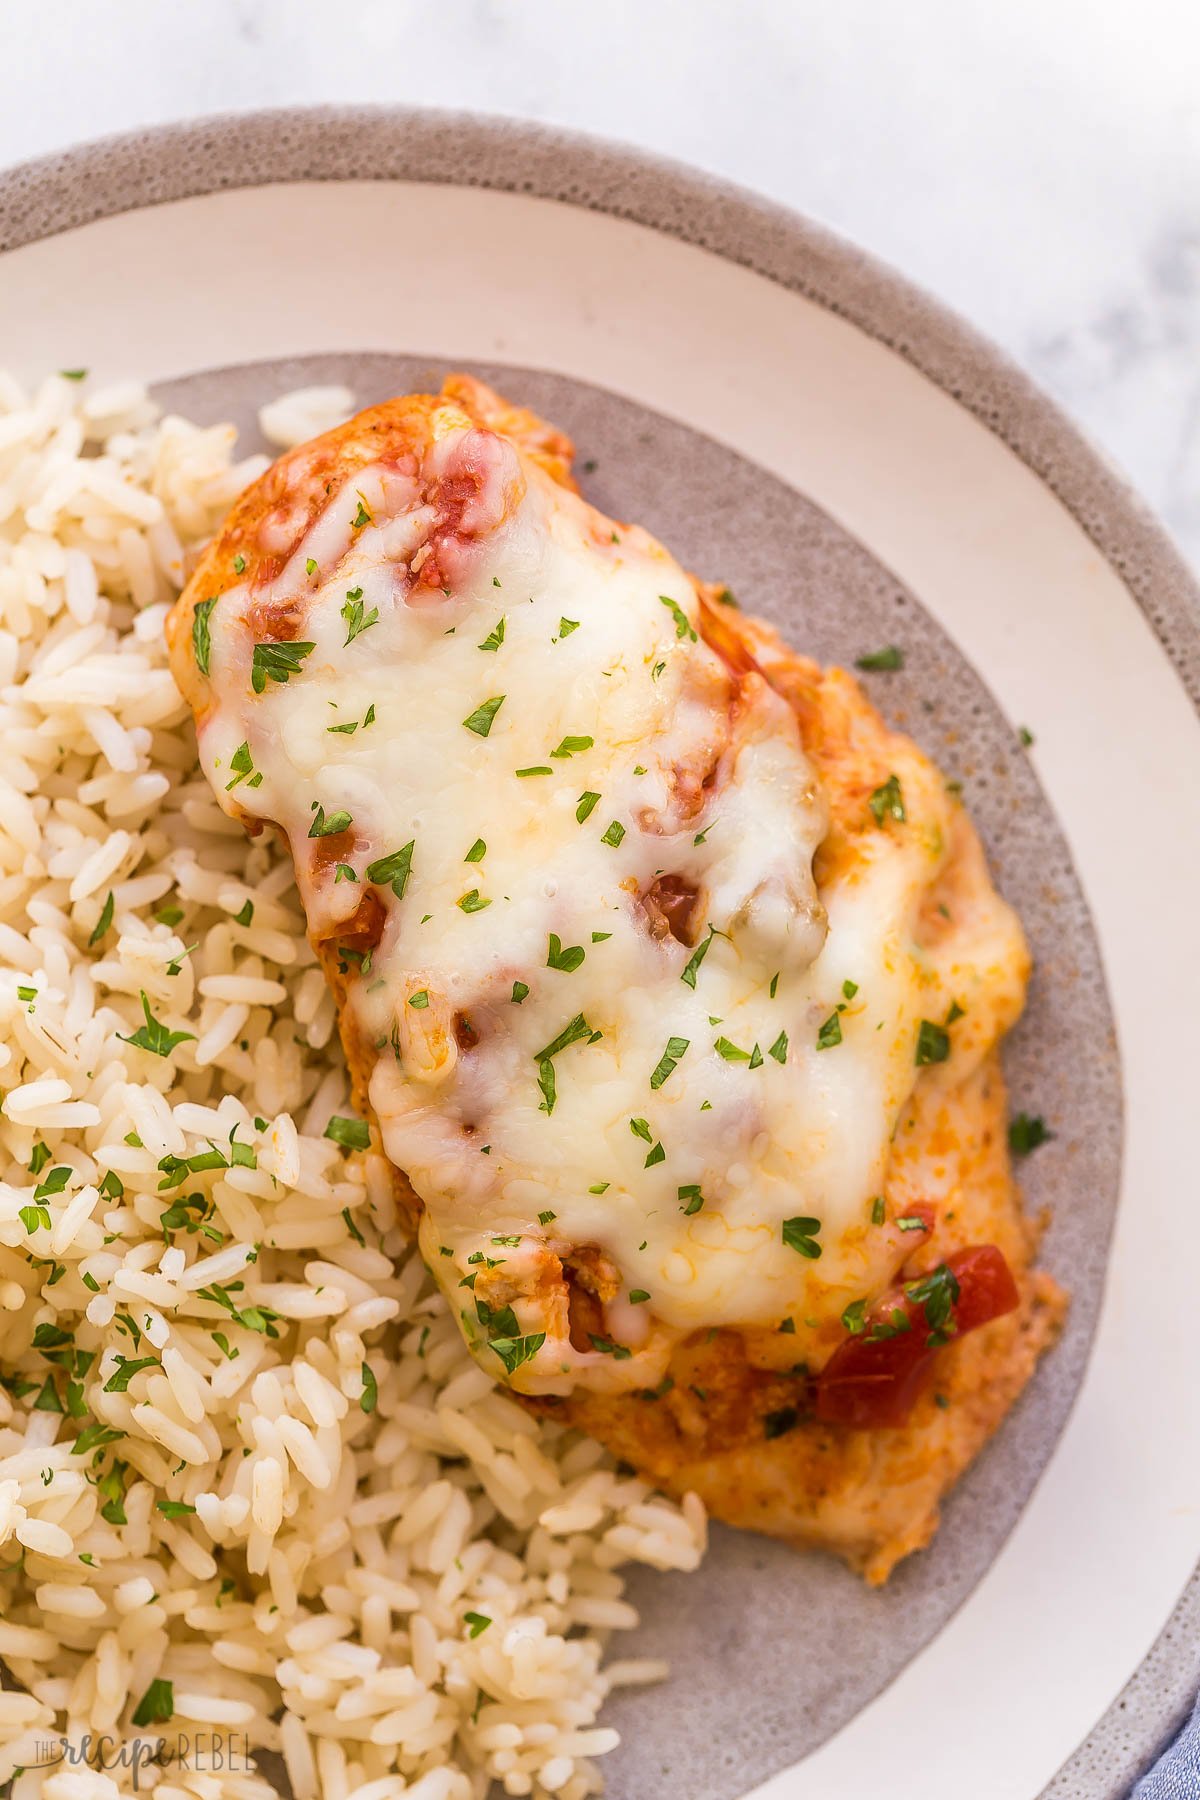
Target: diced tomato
[{"x": 875, "y": 1378}]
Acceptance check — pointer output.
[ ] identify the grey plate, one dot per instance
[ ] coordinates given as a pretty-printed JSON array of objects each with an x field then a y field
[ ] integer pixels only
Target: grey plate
[
  {"x": 740, "y": 1706},
  {"x": 774, "y": 1651}
]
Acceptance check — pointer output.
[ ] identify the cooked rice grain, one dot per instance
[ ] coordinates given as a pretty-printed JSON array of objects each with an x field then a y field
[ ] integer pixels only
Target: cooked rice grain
[{"x": 242, "y": 1453}]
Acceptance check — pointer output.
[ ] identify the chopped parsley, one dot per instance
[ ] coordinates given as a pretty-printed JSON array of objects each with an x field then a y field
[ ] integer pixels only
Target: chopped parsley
[
  {"x": 153, "y": 1035},
  {"x": 420, "y": 1000},
  {"x": 933, "y": 1044},
  {"x": 779, "y": 1048},
  {"x": 890, "y": 657},
  {"x": 878, "y": 1210},
  {"x": 567, "y": 961},
  {"x": 548, "y": 1085},
  {"x": 683, "y": 625},
  {"x": 103, "y": 922},
  {"x": 368, "y": 1400},
  {"x": 513, "y": 1351},
  {"x": 127, "y": 1367},
  {"x": 692, "y": 967},
  {"x": 1026, "y": 1133},
  {"x": 668, "y": 1061},
  {"x": 776, "y": 1423},
  {"x": 602, "y": 1187},
  {"x": 830, "y": 1032},
  {"x": 201, "y": 634},
  {"x": 937, "y": 1293},
  {"x": 246, "y": 914},
  {"x": 352, "y": 612},
  {"x": 310, "y": 566},
  {"x": 571, "y": 1033},
  {"x": 854, "y": 1318},
  {"x": 472, "y": 901},
  {"x": 614, "y": 834},
  {"x": 520, "y": 990},
  {"x": 157, "y": 1704},
  {"x": 655, "y": 1154},
  {"x": 477, "y": 852},
  {"x": 276, "y": 662},
  {"x": 637, "y": 1296},
  {"x": 606, "y": 1347},
  {"x": 328, "y": 827},
  {"x": 690, "y": 1199},
  {"x": 352, "y": 1134},
  {"x": 732, "y": 1052},
  {"x": 239, "y": 564},
  {"x": 586, "y": 802},
  {"x": 887, "y": 802},
  {"x": 494, "y": 638},
  {"x": 351, "y": 726},
  {"x": 544, "y": 1218},
  {"x": 567, "y": 626},
  {"x": 393, "y": 870},
  {"x": 849, "y": 989},
  {"x": 573, "y": 746},
  {"x": 242, "y": 764},
  {"x": 363, "y": 515},
  {"x": 801, "y": 1235},
  {"x": 534, "y": 769},
  {"x": 1026, "y": 737},
  {"x": 475, "y": 1623},
  {"x": 481, "y": 720}
]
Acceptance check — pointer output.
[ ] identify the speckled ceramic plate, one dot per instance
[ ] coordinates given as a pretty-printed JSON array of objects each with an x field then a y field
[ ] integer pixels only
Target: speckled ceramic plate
[{"x": 791, "y": 417}]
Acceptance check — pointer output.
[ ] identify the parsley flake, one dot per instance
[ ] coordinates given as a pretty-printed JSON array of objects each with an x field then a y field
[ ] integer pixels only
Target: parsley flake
[
  {"x": 890, "y": 657},
  {"x": 328, "y": 827},
  {"x": 153, "y": 1035},
  {"x": 565, "y": 960},
  {"x": 801, "y": 1235},
  {"x": 933, "y": 1044},
  {"x": 352, "y": 1134},
  {"x": 887, "y": 802},
  {"x": 683, "y": 625},
  {"x": 481, "y": 720},
  {"x": 393, "y": 870},
  {"x": 352, "y": 612},
  {"x": 103, "y": 922},
  {"x": 1026, "y": 1134},
  {"x": 668, "y": 1061},
  {"x": 691, "y": 969},
  {"x": 201, "y": 633},
  {"x": 276, "y": 662}
]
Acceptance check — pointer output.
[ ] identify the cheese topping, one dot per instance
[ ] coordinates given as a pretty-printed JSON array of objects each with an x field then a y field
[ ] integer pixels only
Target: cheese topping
[{"x": 623, "y": 1045}]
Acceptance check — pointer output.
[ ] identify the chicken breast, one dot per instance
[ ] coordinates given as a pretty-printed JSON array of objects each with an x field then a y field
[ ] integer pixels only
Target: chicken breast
[{"x": 670, "y": 979}]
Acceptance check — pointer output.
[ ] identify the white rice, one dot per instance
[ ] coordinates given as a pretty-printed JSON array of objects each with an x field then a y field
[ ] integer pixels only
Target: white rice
[{"x": 317, "y": 1594}]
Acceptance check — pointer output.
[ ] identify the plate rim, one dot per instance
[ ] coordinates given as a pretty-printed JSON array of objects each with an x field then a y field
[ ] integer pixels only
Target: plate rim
[{"x": 126, "y": 172}]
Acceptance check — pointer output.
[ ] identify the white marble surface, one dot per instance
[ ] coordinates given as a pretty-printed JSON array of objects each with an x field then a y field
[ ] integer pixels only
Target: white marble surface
[{"x": 1034, "y": 162}]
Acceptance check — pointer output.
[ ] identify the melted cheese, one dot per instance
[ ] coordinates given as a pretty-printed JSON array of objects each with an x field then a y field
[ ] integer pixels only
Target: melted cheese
[{"x": 688, "y": 1112}]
